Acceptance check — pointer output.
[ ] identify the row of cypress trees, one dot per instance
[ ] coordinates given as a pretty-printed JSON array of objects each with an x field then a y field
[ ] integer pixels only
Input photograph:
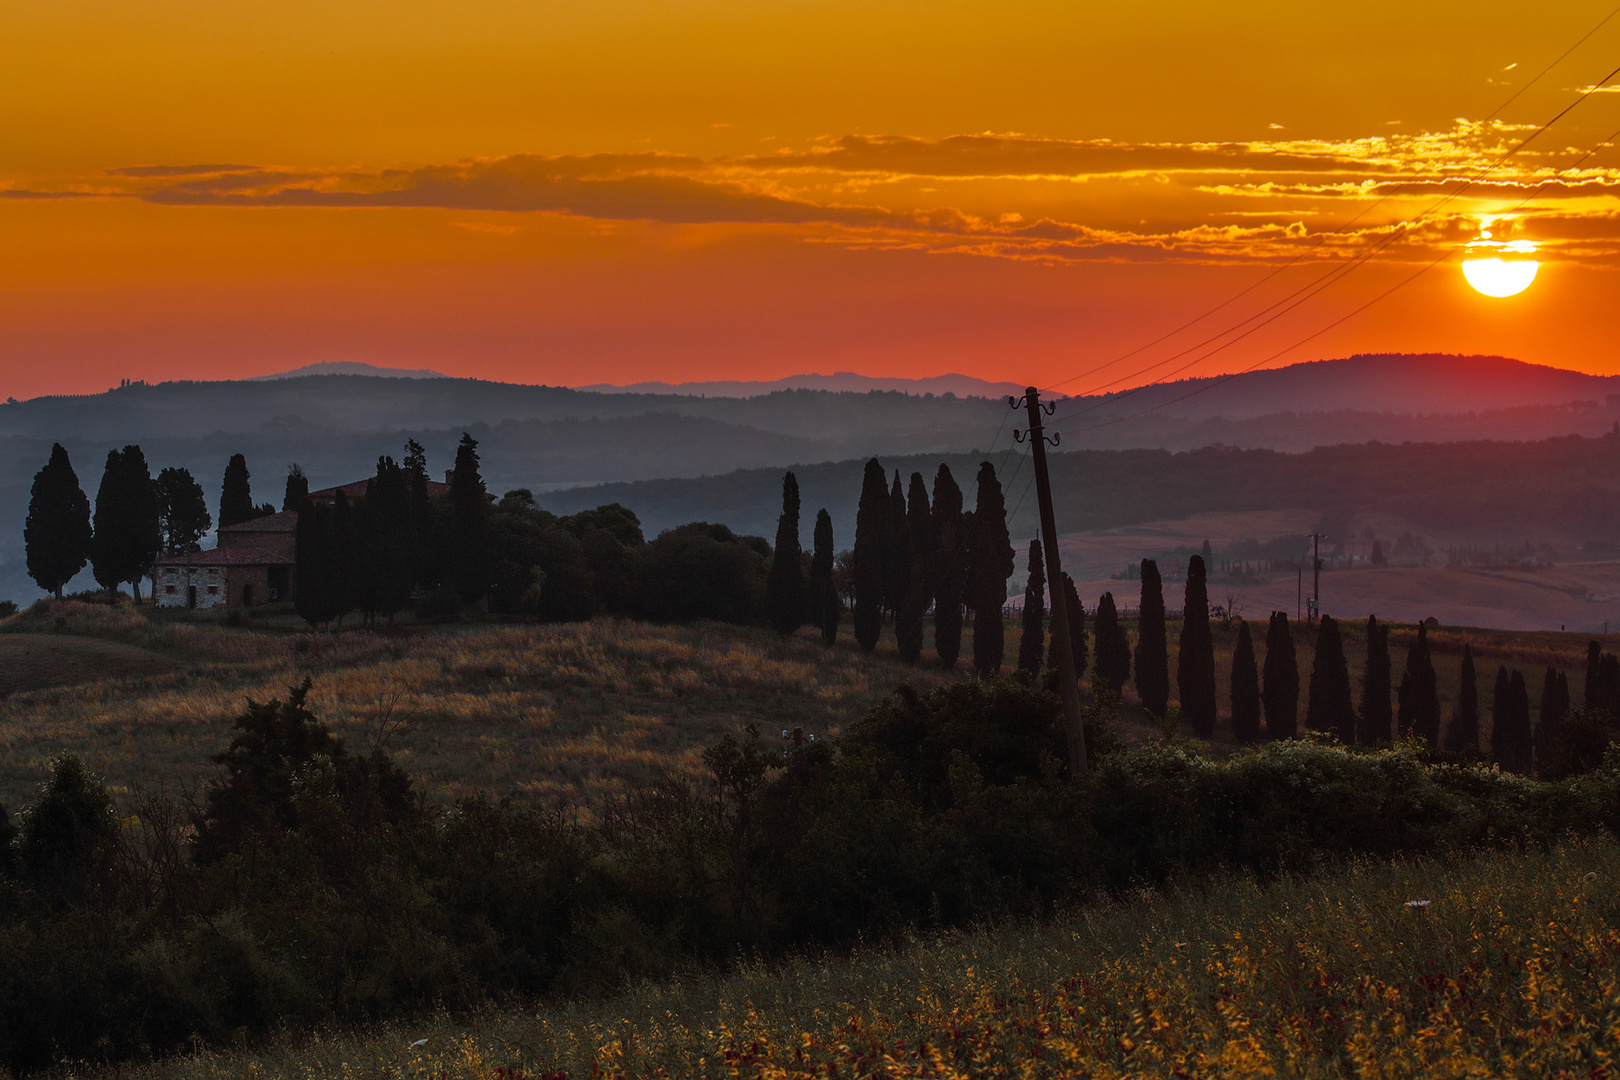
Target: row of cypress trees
[{"x": 135, "y": 519}]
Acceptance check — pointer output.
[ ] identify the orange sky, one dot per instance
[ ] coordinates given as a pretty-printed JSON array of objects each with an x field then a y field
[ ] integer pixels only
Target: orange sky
[{"x": 618, "y": 191}]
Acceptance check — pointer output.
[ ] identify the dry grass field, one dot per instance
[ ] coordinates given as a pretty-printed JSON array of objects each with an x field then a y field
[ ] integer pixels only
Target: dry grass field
[{"x": 1501, "y": 964}]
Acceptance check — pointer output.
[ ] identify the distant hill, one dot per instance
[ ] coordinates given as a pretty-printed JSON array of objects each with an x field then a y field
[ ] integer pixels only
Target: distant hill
[
  {"x": 352, "y": 367},
  {"x": 842, "y": 382}
]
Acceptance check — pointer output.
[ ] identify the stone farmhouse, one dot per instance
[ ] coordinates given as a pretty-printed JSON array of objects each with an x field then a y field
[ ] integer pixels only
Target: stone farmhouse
[{"x": 253, "y": 562}]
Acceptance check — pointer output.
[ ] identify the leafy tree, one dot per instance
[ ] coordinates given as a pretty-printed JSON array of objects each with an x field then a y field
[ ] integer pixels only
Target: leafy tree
[
  {"x": 705, "y": 571},
  {"x": 1152, "y": 644},
  {"x": 784, "y": 588},
  {"x": 235, "y": 495},
  {"x": 57, "y": 533},
  {"x": 182, "y": 511},
  {"x": 1195, "y": 666},
  {"x": 1077, "y": 631},
  {"x": 296, "y": 495},
  {"x": 917, "y": 528},
  {"x": 1113, "y": 647},
  {"x": 1423, "y": 695},
  {"x": 824, "y": 594},
  {"x": 1034, "y": 622},
  {"x": 1376, "y": 715},
  {"x": 1462, "y": 737},
  {"x": 611, "y": 538},
  {"x": 868, "y": 559},
  {"x": 990, "y": 564},
  {"x": 469, "y": 525},
  {"x": 541, "y": 565},
  {"x": 950, "y": 566},
  {"x": 1245, "y": 689},
  {"x": 127, "y": 529},
  {"x": 1280, "y": 693},
  {"x": 1329, "y": 707}
]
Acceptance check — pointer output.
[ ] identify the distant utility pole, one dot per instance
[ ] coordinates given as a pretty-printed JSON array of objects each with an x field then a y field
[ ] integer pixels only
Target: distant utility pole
[
  {"x": 1068, "y": 681},
  {"x": 1316, "y": 576}
]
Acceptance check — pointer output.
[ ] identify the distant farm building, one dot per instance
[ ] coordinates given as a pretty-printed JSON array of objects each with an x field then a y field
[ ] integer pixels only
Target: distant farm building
[{"x": 254, "y": 561}]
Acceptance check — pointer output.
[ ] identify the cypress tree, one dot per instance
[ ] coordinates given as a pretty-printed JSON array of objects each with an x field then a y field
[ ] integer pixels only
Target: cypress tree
[
  {"x": 343, "y": 551},
  {"x": 1462, "y": 737},
  {"x": 296, "y": 495},
  {"x": 990, "y": 564},
  {"x": 1501, "y": 722},
  {"x": 1609, "y": 684},
  {"x": 1034, "y": 622},
  {"x": 824, "y": 595},
  {"x": 1245, "y": 689},
  {"x": 1550, "y": 719},
  {"x": 388, "y": 504},
  {"x": 1077, "y": 631},
  {"x": 182, "y": 511},
  {"x": 1591, "y": 697},
  {"x": 1113, "y": 647},
  {"x": 867, "y": 558},
  {"x": 469, "y": 525},
  {"x": 1510, "y": 723},
  {"x": 784, "y": 586},
  {"x": 1376, "y": 715},
  {"x": 57, "y": 533},
  {"x": 1152, "y": 644},
  {"x": 1423, "y": 692},
  {"x": 313, "y": 569},
  {"x": 1328, "y": 708},
  {"x": 950, "y": 566},
  {"x": 126, "y": 530},
  {"x": 897, "y": 555},
  {"x": 917, "y": 529},
  {"x": 1280, "y": 692},
  {"x": 235, "y": 496},
  {"x": 1195, "y": 666},
  {"x": 1403, "y": 712}
]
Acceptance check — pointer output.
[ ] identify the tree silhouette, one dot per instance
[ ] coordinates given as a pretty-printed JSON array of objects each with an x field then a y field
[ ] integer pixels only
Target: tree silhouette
[
  {"x": 990, "y": 564},
  {"x": 824, "y": 593},
  {"x": 469, "y": 509},
  {"x": 1328, "y": 707},
  {"x": 897, "y": 554},
  {"x": 1152, "y": 644},
  {"x": 1423, "y": 695},
  {"x": 235, "y": 495},
  {"x": 1077, "y": 631},
  {"x": 784, "y": 587},
  {"x": 127, "y": 528},
  {"x": 296, "y": 495},
  {"x": 917, "y": 529},
  {"x": 1113, "y": 665},
  {"x": 57, "y": 532},
  {"x": 1195, "y": 666},
  {"x": 1550, "y": 721},
  {"x": 1245, "y": 689},
  {"x": 950, "y": 566},
  {"x": 1280, "y": 692},
  {"x": 1376, "y": 714},
  {"x": 1462, "y": 736},
  {"x": 868, "y": 557},
  {"x": 1033, "y": 633}
]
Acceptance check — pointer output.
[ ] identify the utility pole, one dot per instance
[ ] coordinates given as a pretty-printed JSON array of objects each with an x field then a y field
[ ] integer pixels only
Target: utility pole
[
  {"x": 1316, "y": 576},
  {"x": 1068, "y": 681}
]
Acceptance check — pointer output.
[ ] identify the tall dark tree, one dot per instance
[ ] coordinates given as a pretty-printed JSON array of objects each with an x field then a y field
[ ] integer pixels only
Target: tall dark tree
[
  {"x": 1328, "y": 708},
  {"x": 898, "y": 556},
  {"x": 1592, "y": 693},
  {"x": 1245, "y": 689},
  {"x": 1033, "y": 634},
  {"x": 469, "y": 525},
  {"x": 1608, "y": 695},
  {"x": 1113, "y": 665},
  {"x": 383, "y": 543},
  {"x": 1423, "y": 692},
  {"x": 950, "y": 566},
  {"x": 990, "y": 564},
  {"x": 1376, "y": 716},
  {"x": 1520, "y": 747},
  {"x": 784, "y": 587},
  {"x": 1152, "y": 644},
  {"x": 868, "y": 558},
  {"x": 1280, "y": 692},
  {"x": 296, "y": 495},
  {"x": 314, "y": 570},
  {"x": 1462, "y": 737},
  {"x": 1501, "y": 722},
  {"x": 1195, "y": 666},
  {"x": 57, "y": 532},
  {"x": 414, "y": 463},
  {"x": 1077, "y": 630},
  {"x": 1403, "y": 705},
  {"x": 823, "y": 593},
  {"x": 235, "y": 495},
  {"x": 1550, "y": 720},
  {"x": 918, "y": 532},
  {"x": 182, "y": 511},
  {"x": 127, "y": 529},
  {"x": 343, "y": 548}
]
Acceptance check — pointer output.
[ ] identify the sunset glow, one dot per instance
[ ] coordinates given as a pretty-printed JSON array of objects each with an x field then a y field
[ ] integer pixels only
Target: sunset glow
[{"x": 640, "y": 189}]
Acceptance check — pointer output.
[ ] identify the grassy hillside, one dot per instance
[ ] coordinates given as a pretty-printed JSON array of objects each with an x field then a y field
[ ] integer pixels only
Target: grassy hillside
[{"x": 1504, "y": 964}]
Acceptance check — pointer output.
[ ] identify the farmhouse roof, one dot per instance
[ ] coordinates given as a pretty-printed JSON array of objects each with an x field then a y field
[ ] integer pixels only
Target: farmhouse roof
[
  {"x": 284, "y": 522},
  {"x": 233, "y": 555},
  {"x": 357, "y": 490}
]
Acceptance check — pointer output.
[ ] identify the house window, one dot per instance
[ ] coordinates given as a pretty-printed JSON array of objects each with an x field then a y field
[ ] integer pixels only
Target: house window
[
  {"x": 169, "y": 589},
  {"x": 213, "y": 588}
]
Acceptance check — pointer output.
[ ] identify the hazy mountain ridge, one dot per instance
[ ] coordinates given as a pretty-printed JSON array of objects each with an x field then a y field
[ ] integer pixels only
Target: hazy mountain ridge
[{"x": 840, "y": 382}]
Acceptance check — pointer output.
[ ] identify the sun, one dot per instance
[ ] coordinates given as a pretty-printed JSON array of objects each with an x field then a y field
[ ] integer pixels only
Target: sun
[{"x": 1499, "y": 267}]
